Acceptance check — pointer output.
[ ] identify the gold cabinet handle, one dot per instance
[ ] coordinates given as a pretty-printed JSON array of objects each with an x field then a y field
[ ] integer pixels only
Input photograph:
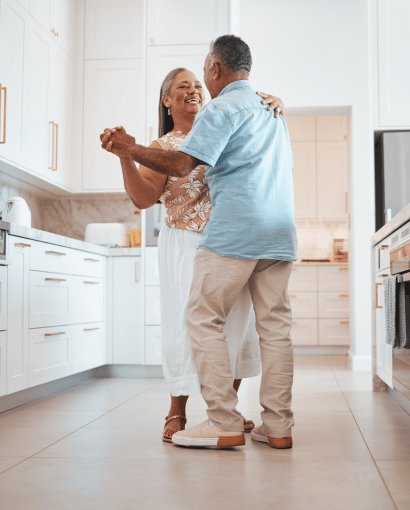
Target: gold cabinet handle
[
  {"x": 55, "y": 253},
  {"x": 344, "y": 322},
  {"x": 152, "y": 40},
  {"x": 293, "y": 296},
  {"x": 294, "y": 269},
  {"x": 377, "y": 295},
  {"x": 343, "y": 268},
  {"x": 90, "y": 329},
  {"x": 136, "y": 271},
  {"x": 54, "y": 334},
  {"x": 344, "y": 295},
  {"x": 55, "y": 280},
  {"x": 294, "y": 323},
  {"x": 4, "y": 113},
  {"x": 92, "y": 260},
  {"x": 92, "y": 283},
  {"x": 384, "y": 275},
  {"x": 383, "y": 247},
  {"x": 56, "y": 135},
  {"x": 22, "y": 245}
]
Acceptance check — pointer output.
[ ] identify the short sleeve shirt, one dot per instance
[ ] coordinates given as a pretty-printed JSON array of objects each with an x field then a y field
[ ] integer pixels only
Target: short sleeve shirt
[{"x": 249, "y": 173}]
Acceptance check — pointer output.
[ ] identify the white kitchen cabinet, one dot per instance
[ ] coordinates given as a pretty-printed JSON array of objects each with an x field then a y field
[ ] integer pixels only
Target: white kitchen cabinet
[
  {"x": 13, "y": 26},
  {"x": 128, "y": 311},
  {"x": 151, "y": 266},
  {"x": 114, "y": 94},
  {"x": 153, "y": 345},
  {"x": 304, "y": 332},
  {"x": 42, "y": 12},
  {"x": 180, "y": 22},
  {"x": 87, "y": 299},
  {"x": 3, "y": 298},
  {"x": 331, "y": 128},
  {"x": 114, "y": 30},
  {"x": 301, "y": 128},
  {"x": 303, "y": 278},
  {"x": 304, "y": 179},
  {"x": 152, "y": 306},
  {"x": 382, "y": 254},
  {"x": 18, "y": 306},
  {"x": 50, "y": 299},
  {"x": 160, "y": 61},
  {"x": 332, "y": 180},
  {"x": 50, "y": 354},
  {"x": 393, "y": 62},
  {"x": 384, "y": 351},
  {"x": 3, "y": 363},
  {"x": 88, "y": 341},
  {"x": 333, "y": 305},
  {"x": 333, "y": 278},
  {"x": 303, "y": 304},
  {"x": 334, "y": 332}
]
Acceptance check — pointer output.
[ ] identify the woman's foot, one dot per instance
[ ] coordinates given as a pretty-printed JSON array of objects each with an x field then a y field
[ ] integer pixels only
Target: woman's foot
[{"x": 173, "y": 424}]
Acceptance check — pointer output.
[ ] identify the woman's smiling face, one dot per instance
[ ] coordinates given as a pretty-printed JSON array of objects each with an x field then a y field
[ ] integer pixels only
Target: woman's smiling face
[{"x": 186, "y": 95}]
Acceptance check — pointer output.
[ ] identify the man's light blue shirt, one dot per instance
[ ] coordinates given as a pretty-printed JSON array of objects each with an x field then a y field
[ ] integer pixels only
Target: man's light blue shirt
[{"x": 249, "y": 172}]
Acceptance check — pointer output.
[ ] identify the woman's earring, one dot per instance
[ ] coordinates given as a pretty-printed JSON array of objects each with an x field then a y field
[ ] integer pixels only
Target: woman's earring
[{"x": 169, "y": 111}]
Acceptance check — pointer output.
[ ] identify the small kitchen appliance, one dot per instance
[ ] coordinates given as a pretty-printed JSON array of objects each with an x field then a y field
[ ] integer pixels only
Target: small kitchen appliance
[
  {"x": 107, "y": 234},
  {"x": 17, "y": 211},
  {"x": 4, "y": 228}
]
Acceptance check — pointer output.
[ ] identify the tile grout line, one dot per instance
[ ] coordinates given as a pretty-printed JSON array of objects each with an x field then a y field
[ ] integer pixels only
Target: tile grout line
[
  {"x": 74, "y": 431},
  {"x": 361, "y": 433}
]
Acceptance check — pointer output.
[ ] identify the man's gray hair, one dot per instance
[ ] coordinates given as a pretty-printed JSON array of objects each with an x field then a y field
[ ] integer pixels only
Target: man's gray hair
[{"x": 233, "y": 53}]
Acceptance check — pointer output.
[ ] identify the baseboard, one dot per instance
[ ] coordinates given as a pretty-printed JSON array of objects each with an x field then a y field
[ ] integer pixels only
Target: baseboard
[
  {"x": 20, "y": 398},
  {"x": 359, "y": 363},
  {"x": 400, "y": 399},
  {"x": 320, "y": 350},
  {"x": 132, "y": 371}
]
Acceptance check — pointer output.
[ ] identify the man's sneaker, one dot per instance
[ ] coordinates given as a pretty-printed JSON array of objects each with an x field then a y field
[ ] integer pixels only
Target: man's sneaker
[
  {"x": 274, "y": 442},
  {"x": 208, "y": 435}
]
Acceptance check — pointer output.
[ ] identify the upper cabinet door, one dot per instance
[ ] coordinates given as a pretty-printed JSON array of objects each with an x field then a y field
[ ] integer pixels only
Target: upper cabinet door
[
  {"x": 331, "y": 128},
  {"x": 301, "y": 128},
  {"x": 114, "y": 94},
  {"x": 162, "y": 60},
  {"x": 304, "y": 179},
  {"x": 114, "y": 29},
  {"x": 63, "y": 23},
  {"x": 394, "y": 58},
  {"x": 174, "y": 22},
  {"x": 332, "y": 180},
  {"x": 42, "y": 12},
  {"x": 12, "y": 61}
]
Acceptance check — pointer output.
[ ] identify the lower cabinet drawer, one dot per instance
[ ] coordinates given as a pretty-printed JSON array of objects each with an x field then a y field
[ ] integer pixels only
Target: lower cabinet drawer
[
  {"x": 49, "y": 354},
  {"x": 88, "y": 344},
  {"x": 303, "y": 304},
  {"x": 89, "y": 264},
  {"x": 3, "y": 361},
  {"x": 333, "y": 305},
  {"x": 153, "y": 345},
  {"x": 87, "y": 299},
  {"x": 49, "y": 299},
  {"x": 304, "y": 332},
  {"x": 152, "y": 306},
  {"x": 334, "y": 332}
]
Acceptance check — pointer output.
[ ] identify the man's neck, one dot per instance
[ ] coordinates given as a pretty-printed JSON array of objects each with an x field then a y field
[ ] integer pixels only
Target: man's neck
[{"x": 227, "y": 79}]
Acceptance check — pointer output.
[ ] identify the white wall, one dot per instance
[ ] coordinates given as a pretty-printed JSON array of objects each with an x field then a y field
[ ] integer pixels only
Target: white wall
[{"x": 316, "y": 54}]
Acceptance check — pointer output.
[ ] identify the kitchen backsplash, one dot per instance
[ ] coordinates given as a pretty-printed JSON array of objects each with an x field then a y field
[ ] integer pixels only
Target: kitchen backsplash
[{"x": 315, "y": 238}]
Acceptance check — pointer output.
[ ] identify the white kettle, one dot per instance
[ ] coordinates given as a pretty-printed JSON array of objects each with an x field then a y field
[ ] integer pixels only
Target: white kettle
[{"x": 17, "y": 211}]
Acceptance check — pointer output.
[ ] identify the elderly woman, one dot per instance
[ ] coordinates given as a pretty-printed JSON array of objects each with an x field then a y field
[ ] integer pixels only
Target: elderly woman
[{"x": 188, "y": 207}]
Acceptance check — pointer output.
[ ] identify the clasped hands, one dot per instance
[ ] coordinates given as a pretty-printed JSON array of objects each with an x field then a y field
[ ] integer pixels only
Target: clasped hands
[{"x": 117, "y": 141}]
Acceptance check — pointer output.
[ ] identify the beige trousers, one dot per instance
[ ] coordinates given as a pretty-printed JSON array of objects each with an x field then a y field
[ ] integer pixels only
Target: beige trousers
[{"x": 216, "y": 283}]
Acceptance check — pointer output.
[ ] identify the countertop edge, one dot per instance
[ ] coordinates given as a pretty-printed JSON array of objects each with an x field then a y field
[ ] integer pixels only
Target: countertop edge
[{"x": 394, "y": 224}]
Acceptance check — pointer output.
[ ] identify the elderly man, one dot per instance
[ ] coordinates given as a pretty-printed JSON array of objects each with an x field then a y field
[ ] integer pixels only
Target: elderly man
[{"x": 251, "y": 237}]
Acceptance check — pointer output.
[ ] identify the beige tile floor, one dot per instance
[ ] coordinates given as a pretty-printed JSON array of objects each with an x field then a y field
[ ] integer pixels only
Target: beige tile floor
[{"x": 98, "y": 446}]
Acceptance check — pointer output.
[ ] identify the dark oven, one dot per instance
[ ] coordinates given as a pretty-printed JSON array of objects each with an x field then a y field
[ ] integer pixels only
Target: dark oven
[
  {"x": 400, "y": 264},
  {"x": 4, "y": 228}
]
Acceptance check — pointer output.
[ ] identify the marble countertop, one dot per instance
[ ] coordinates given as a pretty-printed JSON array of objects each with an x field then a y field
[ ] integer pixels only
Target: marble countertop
[
  {"x": 124, "y": 252},
  {"x": 396, "y": 222}
]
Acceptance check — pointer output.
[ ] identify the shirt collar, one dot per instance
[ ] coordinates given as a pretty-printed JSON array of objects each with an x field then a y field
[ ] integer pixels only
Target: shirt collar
[{"x": 238, "y": 84}]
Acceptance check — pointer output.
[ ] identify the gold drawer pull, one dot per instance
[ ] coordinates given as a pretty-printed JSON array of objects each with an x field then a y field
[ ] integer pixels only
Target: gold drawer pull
[
  {"x": 343, "y": 268},
  {"x": 93, "y": 283},
  {"x": 344, "y": 322},
  {"x": 377, "y": 295},
  {"x": 54, "y": 334},
  {"x": 294, "y": 323},
  {"x": 55, "y": 280},
  {"x": 4, "y": 114},
  {"x": 92, "y": 260},
  {"x": 22, "y": 245},
  {"x": 90, "y": 329},
  {"x": 344, "y": 295},
  {"x": 55, "y": 253},
  {"x": 293, "y": 296},
  {"x": 384, "y": 275},
  {"x": 383, "y": 247},
  {"x": 294, "y": 269}
]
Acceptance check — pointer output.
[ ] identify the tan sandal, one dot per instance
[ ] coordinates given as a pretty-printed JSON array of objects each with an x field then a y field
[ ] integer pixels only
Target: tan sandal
[
  {"x": 167, "y": 420},
  {"x": 249, "y": 424}
]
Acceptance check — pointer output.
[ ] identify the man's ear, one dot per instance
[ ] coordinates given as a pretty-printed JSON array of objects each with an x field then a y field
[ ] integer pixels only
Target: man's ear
[
  {"x": 216, "y": 70},
  {"x": 166, "y": 101}
]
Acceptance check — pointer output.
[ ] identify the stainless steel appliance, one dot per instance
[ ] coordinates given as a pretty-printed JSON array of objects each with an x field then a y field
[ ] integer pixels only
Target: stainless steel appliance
[
  {"x": 400, "y": 264},
  {"x": 4, "y": 229}
]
